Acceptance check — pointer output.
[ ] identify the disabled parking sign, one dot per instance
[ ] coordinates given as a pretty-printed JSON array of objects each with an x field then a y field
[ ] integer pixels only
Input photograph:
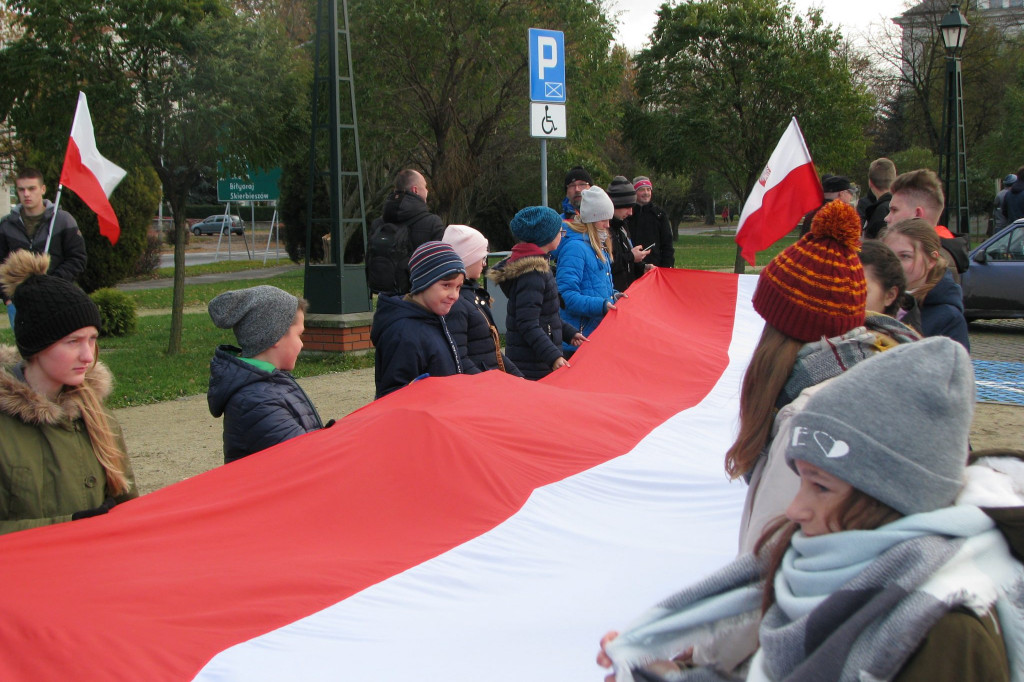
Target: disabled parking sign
[{"x": 547, "y": 65}]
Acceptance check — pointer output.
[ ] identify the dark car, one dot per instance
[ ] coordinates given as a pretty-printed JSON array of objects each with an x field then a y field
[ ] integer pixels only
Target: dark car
[
  {"x": 215, "y": 224},
  {"x": 994, "y": 284}
]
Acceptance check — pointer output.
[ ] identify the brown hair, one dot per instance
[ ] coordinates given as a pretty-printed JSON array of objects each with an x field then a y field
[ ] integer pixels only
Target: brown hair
[
  {"x": 923, "y": 184},
  {"x": 881, "y": 173},
  {"x": 30, "y": 174},
  {"x": 886, "y": 268},
  {"x": 926, "y": 240},
  {"x": 766, "y": 375},
  {"x": 859, "y": 511}
]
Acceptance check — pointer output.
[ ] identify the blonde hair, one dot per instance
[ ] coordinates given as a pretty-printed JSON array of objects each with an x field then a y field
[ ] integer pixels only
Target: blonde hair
[
  {"x": 590, "y": 230},
  {"x": 106, "y": 445},
  {"x": 925, "y": 239}
]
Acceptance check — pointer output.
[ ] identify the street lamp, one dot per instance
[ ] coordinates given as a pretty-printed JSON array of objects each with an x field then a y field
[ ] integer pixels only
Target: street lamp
[{"x": 953, "y": 159}]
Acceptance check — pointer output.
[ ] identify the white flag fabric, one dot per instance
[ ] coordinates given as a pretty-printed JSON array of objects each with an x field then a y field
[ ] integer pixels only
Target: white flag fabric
[
  {"x": 787, "y": 189},
  {"x": 89, "y": 174},
  {"x": 461, "y": 528}
]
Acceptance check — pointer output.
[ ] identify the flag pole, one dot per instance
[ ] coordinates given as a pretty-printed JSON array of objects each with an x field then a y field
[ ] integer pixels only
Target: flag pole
[{"x": 53, "y": 218}]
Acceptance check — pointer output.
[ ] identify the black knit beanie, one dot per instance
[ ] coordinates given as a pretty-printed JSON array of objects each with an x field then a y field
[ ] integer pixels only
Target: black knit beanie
[
  {"x": 48, "y": 308},
  {"x": 577, "y": 173}
]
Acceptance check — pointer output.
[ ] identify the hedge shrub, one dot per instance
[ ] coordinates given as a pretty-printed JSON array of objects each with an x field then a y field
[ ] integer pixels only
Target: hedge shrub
[{"x": 117, "y": 312}]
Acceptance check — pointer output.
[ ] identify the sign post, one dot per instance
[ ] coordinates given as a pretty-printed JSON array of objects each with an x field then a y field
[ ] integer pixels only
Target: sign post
[{"x": 547, "y": 94}]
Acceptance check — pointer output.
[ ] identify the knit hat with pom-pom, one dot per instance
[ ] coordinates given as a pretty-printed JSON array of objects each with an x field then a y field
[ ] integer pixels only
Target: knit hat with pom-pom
[
  {"x": 48, "y": 307},
  {"x": 816, "y": 287}
]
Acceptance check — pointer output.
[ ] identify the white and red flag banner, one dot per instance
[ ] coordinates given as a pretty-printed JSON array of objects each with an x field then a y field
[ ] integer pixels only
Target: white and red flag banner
[
  {"x": 89, "y": 174},
  {"x": 787, "y": 189},
  {"x": 463, "y": 528}
]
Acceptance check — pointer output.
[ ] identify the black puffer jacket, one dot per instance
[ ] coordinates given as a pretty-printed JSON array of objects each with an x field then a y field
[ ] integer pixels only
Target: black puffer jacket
[
  {"x": 410, "y": 210},
  {"x": 648, "y": 225},
  {"x": 410, "y": 341},
  {"x": 625, "y": 270},
  {"x": 874, "y": 216},
  {"x": 470, "y": 322},
  {"x": 67, "y": 248},
  {"x": 260, "y": 408},
  {"x": 533, "y": 339}
]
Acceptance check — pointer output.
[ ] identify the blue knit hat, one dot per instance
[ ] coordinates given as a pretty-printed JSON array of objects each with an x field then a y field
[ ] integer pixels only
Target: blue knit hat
[
  {"x": 536, "y": 224},
  {"x": 432, "y": 261}
]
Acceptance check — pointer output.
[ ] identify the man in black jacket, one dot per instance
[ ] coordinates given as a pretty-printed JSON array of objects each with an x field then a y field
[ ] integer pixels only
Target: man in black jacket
[
  {"x": 881, "y": 174},
  {"x": 27, "y": 226},
  {"x": 649, "y": 226}
]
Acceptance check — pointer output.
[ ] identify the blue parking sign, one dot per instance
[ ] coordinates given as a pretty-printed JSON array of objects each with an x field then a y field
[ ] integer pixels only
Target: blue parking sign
[{"x": 547, "y": 65}]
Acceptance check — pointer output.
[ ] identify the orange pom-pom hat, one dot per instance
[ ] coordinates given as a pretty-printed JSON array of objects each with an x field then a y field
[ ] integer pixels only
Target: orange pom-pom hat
[{"x": 816, "y": 288}]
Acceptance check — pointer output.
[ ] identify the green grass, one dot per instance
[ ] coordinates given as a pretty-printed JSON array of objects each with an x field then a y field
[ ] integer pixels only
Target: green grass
[
  {"x": 145, "y": 374},
  {"x": 223, "y": 266},
  {"x": 718, "y": 251},
  {"x": 201, "y": 294}
]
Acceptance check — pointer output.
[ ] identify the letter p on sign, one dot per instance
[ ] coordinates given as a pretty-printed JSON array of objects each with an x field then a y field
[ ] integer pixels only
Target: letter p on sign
[{"x": 547, "y": 65}]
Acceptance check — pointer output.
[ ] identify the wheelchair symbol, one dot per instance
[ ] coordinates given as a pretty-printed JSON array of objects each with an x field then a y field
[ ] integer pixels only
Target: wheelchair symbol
[{"x": 547, "y": 124}]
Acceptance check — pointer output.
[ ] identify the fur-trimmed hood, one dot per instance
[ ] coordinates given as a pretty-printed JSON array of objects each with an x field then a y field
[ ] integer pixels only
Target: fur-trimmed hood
[
  {"x": 22, "y": 402},
  {"x": 509, "y": 270}
]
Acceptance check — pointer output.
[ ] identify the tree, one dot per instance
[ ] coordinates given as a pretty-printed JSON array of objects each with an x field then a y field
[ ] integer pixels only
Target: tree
[
  {"x": 721, "y": 80},
  {"x": 442, "y": 86},
  {"x": 183, "y": 82}
]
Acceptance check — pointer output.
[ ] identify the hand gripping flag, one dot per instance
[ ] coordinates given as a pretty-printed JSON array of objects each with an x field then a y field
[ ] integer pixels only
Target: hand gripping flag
[
  {"x": 787, "y": 189},
  {"x": 88, "y": 174}
]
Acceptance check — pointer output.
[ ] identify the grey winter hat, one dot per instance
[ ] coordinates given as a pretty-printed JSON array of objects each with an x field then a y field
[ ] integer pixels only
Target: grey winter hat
[
  {"x": 621, "y": 192},
  {"x": 595, "y": 206},
  {"x": 894, "y": 426},
  {"x": 259, "y": 316}
]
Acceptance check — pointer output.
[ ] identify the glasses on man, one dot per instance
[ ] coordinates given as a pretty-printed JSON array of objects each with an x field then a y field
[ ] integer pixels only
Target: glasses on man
[{"x": 579, "y": 185}]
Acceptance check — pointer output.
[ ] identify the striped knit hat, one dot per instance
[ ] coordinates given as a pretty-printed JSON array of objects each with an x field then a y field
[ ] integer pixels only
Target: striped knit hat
[
  {"x": 432, "y": 261},
  {"x": 816, "y": 287}
]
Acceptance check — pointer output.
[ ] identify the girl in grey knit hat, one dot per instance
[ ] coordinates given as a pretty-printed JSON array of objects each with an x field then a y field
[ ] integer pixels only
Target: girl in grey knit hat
[{"x": 896, "y": 561}]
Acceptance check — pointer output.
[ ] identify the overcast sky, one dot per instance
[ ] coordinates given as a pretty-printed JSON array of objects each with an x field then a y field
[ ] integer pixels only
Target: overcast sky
[{"x": 853, "y": 17}]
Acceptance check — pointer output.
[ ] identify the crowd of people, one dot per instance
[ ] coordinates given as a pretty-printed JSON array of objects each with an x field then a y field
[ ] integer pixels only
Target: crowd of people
[{"x": 872, "y": 544}]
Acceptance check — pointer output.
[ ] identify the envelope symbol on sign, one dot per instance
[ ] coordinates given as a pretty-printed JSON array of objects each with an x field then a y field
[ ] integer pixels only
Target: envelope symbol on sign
[{"x": 553, "y": 90}]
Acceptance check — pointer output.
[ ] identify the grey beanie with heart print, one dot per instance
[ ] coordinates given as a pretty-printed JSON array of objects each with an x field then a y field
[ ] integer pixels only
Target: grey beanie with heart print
[{"x": 894, "y": 426}]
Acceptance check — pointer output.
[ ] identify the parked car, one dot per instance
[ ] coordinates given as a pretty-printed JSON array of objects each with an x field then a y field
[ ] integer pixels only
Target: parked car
[
  {"x": 216, "y": 224},
  {"x": 994, "y": 283}
]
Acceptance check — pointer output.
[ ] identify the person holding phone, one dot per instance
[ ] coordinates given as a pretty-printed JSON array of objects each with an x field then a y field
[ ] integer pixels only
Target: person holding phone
[{"x": 627, "y": 259}]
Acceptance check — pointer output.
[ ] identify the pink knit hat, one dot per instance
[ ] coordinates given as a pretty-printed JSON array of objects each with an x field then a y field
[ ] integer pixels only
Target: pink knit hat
[{"x": 467, "y": 242}]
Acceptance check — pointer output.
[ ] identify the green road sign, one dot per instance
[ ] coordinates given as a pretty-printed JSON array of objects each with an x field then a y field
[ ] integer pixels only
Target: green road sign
[{"x": 259, "y": 186}]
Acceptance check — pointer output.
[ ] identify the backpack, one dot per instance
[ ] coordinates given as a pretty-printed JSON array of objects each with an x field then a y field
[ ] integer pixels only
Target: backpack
[
  {"x": 387, "y": 258},
  {"x": 957, "y": 249}
]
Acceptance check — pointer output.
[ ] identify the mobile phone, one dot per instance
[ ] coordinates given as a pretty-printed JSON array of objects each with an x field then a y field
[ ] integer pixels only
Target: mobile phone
[{"x": 647, "y": 248}]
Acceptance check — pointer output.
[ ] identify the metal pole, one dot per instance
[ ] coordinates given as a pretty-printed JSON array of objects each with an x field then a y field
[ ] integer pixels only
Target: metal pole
[{"x": 543, "y": 172}]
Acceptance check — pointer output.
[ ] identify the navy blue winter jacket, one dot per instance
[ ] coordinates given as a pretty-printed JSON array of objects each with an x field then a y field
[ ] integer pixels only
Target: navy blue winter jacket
[
  {"x": 410, "y": 341},
  {"x": 470, "y": 322},
  {"x": 260, "y": 408},
  {"x": 943, "y": 312},
  {"x": 534, "y": 328}
]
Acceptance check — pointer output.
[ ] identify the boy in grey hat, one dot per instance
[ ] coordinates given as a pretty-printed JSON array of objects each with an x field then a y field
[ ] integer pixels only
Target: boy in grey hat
[{"x": 252, "y": 386}]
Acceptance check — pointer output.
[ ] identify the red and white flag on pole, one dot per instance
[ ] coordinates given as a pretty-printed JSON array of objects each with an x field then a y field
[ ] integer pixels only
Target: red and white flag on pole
[
  {"x": 89, "y": 174},
  {"x": 787, "y": 189}
]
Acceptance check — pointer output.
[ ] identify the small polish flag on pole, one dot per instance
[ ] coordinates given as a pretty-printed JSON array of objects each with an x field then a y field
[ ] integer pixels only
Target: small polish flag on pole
[
  {"x": 787, "y": 189},
  {"x": 89, "y": 174}
]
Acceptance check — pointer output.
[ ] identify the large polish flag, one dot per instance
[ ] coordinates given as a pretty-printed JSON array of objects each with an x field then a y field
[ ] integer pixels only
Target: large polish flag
[
  {"x": 463, "y": 528},
  {"x": 787, "y": 189},
  {"x": 89, "y": 174}
]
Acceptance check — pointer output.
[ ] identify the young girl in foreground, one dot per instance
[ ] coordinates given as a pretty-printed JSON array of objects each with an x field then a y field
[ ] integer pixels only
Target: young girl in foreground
[
  {"x": 62, "y": 456},
  {"x": 889, "y": 567}
]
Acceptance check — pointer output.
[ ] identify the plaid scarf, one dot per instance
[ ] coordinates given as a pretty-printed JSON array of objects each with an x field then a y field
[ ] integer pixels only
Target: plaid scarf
[
  {"x": 821, "y": 360},
  {"x": 849, "y": 606}
]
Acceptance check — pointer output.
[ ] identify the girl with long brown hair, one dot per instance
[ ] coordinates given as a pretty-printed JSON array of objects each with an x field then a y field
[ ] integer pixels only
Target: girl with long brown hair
[
  {"x": 812, "y": 297},
  {"x": 62, "y": 456}
]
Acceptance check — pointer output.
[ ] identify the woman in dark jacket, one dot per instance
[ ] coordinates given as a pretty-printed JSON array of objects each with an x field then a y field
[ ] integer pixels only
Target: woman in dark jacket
[
  {"x": 252, "y": 386},
  {"x": 535, "y": 330},
  {"x": 940, "y": 299},
  {"x": 470, "y": 321}
]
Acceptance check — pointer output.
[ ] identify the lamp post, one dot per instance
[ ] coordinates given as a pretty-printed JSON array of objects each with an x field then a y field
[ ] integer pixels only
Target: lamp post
[{"x": 953, "y": 157}]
